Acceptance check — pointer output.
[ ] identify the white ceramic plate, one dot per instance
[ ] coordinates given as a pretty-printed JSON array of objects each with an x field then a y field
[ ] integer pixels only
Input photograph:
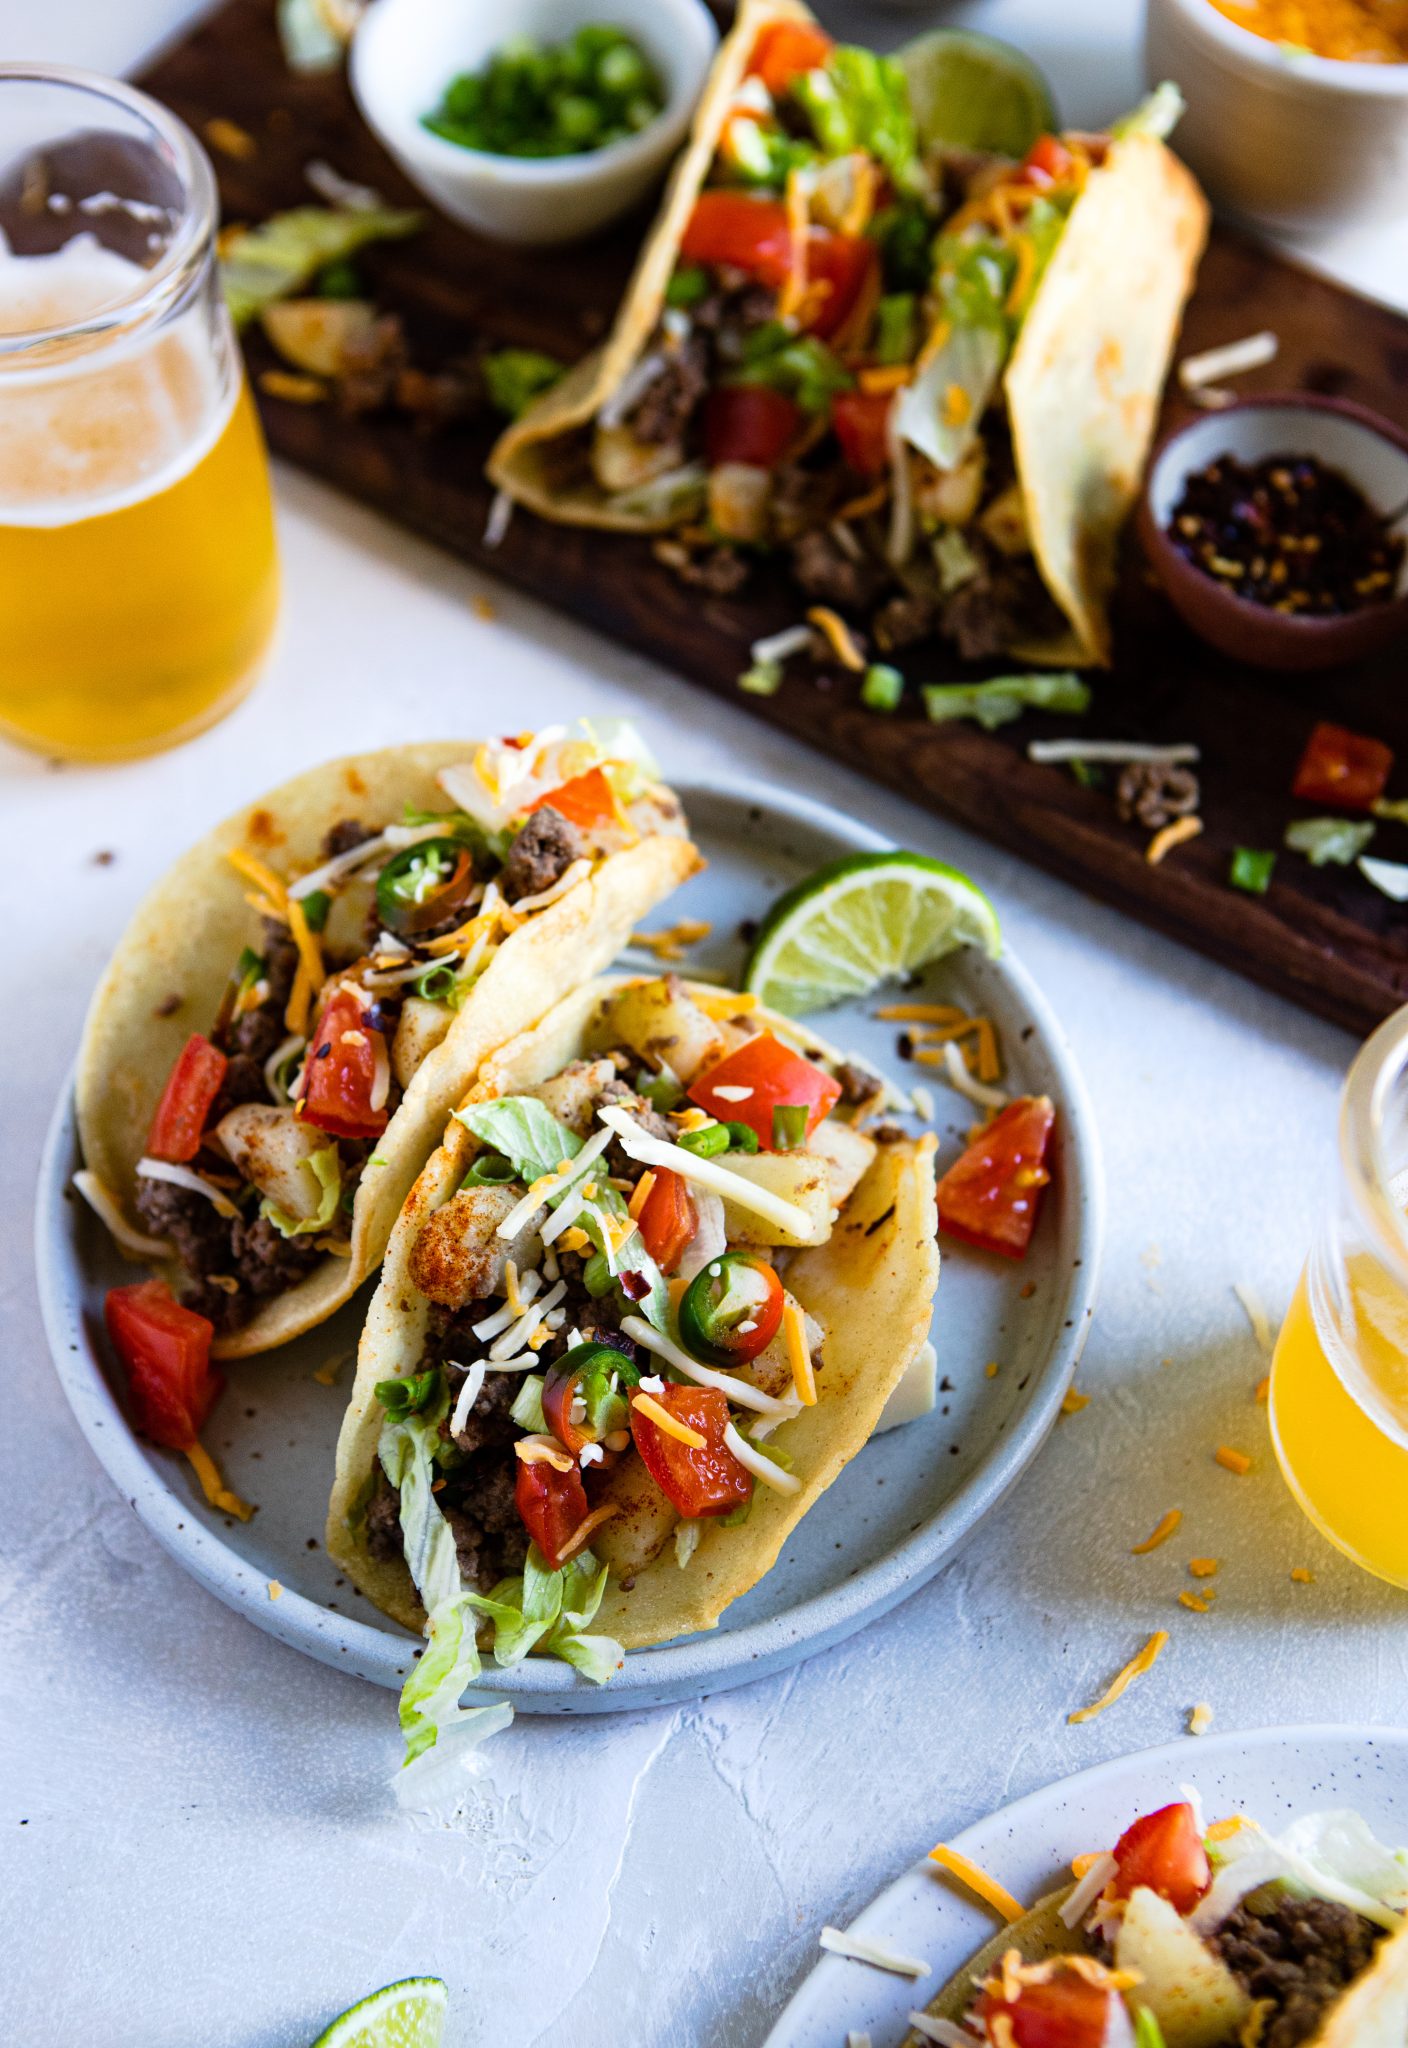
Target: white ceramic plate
[
  {"x": 886, "y": 1525},
  {"x": 1273, "y": 1774}
]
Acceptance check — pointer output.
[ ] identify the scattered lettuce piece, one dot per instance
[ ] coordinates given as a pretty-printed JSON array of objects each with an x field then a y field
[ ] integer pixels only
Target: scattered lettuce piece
[
  {"x": 763, "y": 679},
  {"x": 1326, "y": 840},
  {"x": 514, "y": 377},
  {"x": 1391, "y": 876},
  {"x": 284, "y": 253},
  {"x": 799, "y": 365},
  {"x": 1147, "y": 2031},
  {"x": 1002, "y": 698},
  {"x": 941, "y": 412},
  {"x": 315, "y": 33},
  {"x": 527, "y": 1409},
  {"x": 523, "y": 1130},
  {"x": 1157, "y": 115},
  {"x": 679, "y": 494},
  {"x": 882, "y": 687},
  {"x": 326, "y": 1168}
]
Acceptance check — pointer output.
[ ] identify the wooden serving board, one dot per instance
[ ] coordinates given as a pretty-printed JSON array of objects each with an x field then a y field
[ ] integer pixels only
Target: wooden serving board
[{"x": 1323, "y": 937}]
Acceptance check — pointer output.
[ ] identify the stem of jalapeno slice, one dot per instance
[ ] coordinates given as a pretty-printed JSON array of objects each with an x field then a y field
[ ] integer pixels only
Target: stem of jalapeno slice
[
  {"x": 580, "y": 1403},
  {"x": 731, "y": 1310}
]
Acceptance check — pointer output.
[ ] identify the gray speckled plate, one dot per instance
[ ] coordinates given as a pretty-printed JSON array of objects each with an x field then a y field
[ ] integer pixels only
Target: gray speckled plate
[
  {"x": 1273, "y": 1774},
  {"x": 884, "y": 1528}
]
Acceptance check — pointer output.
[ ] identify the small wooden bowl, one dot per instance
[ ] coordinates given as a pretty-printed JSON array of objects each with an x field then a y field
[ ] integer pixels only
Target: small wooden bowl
[{"x": 1369, "y": 450}]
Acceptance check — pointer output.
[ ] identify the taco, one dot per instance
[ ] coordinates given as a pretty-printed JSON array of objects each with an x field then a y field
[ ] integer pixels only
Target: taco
[
  {"x": 1186, "y": 1937},
  {"x": 929, "y": 381},
  {"x": 645, "y": 1302},
  {"x": 296, "y": 1007}
]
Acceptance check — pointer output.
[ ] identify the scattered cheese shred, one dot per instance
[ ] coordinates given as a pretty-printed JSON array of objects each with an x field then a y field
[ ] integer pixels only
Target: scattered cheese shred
[
  {"x": 276, "y": 1591},
  {"x": 1263, "y": 1389},
  {"x": 1223, "y": 1830},
  {"x": 860, "y": 1948},
  {"x": 1194, "y": 1602},
  {"x": 264, "y": 879},
  {"x": 1233, "y": 1461},
  {"x": 1200, "y": 1719},
  {"x": 640, "y": 1193},
  {"x": 669, "y": 1425},
  {"x": 581, "y": 1534},
  {"x": 879, "y": 378},
  {"x": 1256, "y": 1315},
  {"x": 1159, "y": 1535},
  {"x": 326, "y": 1375},
  {"x": 230, "y": 139},
  {"x": 794, "y": 285},
  {"x": 920, "y": 1013},
  {"x": 672, "y": 942},
  {"x": 839, "y": 637},
  {"x": 543, "y": 1450},
  {"x": 213, "y": 1486},
  {"x": 722, "y": 1004},
  {"x": 1074, "y": 1401},
  {"x": 1120, "y": 1684},
  {"x": 1301, "y": 1577},
  {"x": 1202, "y": 1567},
  {"x": 1176, "y": 834},
  {"x": 798, "y": 1357},
  {"x": 309, "y": 953},
  {"x": 977, "y": 1880},
  {"x": 297, "y": 1010}
]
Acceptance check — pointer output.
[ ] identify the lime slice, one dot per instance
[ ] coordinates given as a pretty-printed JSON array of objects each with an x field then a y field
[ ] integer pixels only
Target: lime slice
[
  {"x": 410, "y": 2014},
  {"x": 860, "y": 921},
  {"x": 971, "y": 92}
]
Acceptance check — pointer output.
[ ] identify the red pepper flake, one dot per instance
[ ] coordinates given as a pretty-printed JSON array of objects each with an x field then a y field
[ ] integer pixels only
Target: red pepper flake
[{"x": 1288, "y": 533}]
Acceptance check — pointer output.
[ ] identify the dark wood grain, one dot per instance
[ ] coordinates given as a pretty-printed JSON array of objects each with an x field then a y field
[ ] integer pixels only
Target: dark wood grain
[{"x": 1322, "y": 937}]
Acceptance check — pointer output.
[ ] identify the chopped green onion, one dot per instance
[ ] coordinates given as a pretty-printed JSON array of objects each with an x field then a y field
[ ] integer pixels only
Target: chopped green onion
[
  {"x": 514, "y": 377},
  {"x": 882, "y": 687},
  {"x": 527, "y": 1409},
  {"x": 689, "y": 284},
  {"x": 1086, "y": 776},
  {"x": 408, "y": 1396},
  {"x": 316, "y": 905},
  {"x": 490, "y": 1170},
  {"x": 704, "y": 1143},
  {"x": 789, "y": 1126},
  {"x": 1002, "y": 698},
  {"x": 339, "y": 280},
  {"x": 742, "y": 1138},
  {"x": 437, "y": 984},
  {"x": 763, "y": 679},
  {"x": 1324, "y": 840},
  {"x": 1394, "y": 808},
  {"x": 1251, "y": 870},
  {"x": 662, "y": 1091},
  {"x": 248, "y": 967},
  {"x": 896, "y": 327}
]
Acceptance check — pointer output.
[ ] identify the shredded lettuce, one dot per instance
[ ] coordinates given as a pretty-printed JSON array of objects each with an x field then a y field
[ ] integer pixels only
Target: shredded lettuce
[
  {"x": 1157, "y": 115},
  {"x": 679, "y": 494},
  {"x": 1147, "y": 2031},
  {"x": 1325, "y": 840},
  {"x": 326, "y": 1169},
  {"x": 860, "y": 100},
  {"x": 800, "y": 365},
  {"x": 527, "y": 1409},
  {"x": 941, "y": 412},
  {"x": 1002, "y": 698},
  {"x": 514, "y": 377},
  {"x": 1332, "y": 1855},
  {"x": 627, "y": 762},
  {"x": 285, "y": 252}
]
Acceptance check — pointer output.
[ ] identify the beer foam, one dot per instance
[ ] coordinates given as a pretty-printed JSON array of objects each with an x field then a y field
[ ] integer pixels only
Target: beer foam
[{"x": 88, "y": 435}]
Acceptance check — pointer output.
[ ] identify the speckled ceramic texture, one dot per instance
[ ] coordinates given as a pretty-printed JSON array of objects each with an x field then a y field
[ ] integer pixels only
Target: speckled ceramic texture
[
  {"x": 897, "y": 1512},
  {"x": 1274, "y": 1775}
]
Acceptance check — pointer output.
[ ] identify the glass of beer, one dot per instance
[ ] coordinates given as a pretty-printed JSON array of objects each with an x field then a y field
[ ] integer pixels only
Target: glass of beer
[
  {"x": 138, "y": 572},
  {"x": 1339, "y": 1379}
]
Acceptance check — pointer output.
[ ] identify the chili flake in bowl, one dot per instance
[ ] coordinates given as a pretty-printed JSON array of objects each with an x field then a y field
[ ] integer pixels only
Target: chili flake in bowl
[{"x": 1277, "y": 529}]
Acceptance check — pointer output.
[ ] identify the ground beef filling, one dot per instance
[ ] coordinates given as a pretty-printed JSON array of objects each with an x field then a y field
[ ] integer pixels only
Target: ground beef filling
[
  {"x": 217, "y": 1250},
  {"x": 541, "y": 854},
  {"x": 1299, "y": 1953}
]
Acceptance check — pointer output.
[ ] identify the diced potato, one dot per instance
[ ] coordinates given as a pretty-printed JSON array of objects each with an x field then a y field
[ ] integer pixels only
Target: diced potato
[
  {"x": 315, "y": 334},
  {"x": 1191, "y": 1992},
  {"x": 1004, "y": 522},
  {"x": 798, "y": 1177},
  {"x": 622, "y": 463},
  {"x": 665, "y": 1026},
  {"x": 419, "y": 1029},
  {"x": 951, "y": 496},
  {"x": 572, "y": 1094},
  {"x": 771, "y": 1370},
  {"x": 271, "y": 1147},
  {"x": 643, "y": 1522},
  {"x": 738, "y": 500},
  {"x": 847, "y": 1152},
  {"x": 459, "y": 1256}
]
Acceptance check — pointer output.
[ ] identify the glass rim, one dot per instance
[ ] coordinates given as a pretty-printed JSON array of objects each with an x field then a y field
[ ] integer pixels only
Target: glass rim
[
  {"x": 186, "y": 250},
  {"x": 1380, "y": 1066}
]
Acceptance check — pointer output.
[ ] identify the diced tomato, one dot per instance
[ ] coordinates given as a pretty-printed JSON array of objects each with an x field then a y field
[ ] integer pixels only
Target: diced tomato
[
  {"x": 844, "y": 264},
  {"x": 860, "y": 419},
  {"x": 734, "y": 228},
  {"x": 340, "y": 1071},
  {"x": 786, "y": 49},
  {"x": 1046, "y": 163},
  {"x": 586, "y": 800},
  {"x": 551, "y": 1505},
  {"x": 1066, "y": 2013},
  {"x": 775, "y": 1077},
  {"x": 186, "y": 1101},
  {"x": 1342, "y": 768},
  {"x": 165, "y": 1352},
  {"x": 1164, "y": 1852},
  {"x": 748, "y": 423},
  {"x": 667, "y": 1220},
  {"x": 990, "y": 1196},
  {"x": 707, "y": 1481}
]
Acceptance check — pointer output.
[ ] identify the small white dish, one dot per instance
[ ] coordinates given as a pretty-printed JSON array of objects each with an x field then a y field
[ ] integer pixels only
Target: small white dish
[
  {"x": 1282, "y": 140},
  {"x": 407, "y": 51}
]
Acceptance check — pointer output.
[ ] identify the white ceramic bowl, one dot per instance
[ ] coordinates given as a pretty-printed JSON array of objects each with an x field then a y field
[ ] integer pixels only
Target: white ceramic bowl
[
  {"x": 407, "y": 51},
  {"x": 1281, "y": 141}
]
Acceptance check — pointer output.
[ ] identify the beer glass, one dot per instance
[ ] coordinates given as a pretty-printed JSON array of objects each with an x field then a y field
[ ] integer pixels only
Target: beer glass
[{"x": 138, "y": 573}]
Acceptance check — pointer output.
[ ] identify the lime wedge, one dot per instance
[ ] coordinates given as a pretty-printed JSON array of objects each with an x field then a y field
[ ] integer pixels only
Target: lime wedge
[
  {"x": 971, "y": 92},
  {"x": 410, "y": 2014},
  {"x": 860, "y": 921}
]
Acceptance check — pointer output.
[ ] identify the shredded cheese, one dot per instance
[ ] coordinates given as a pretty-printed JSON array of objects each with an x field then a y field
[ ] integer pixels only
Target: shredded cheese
[
  {"x": 1196, "y": 1603},
  {"x": 1263, "y": 1389},
  {"x": 467, "y": 1396},
  {"x": 707, "y": 1173},
  {"x": 264, "y": 879},
  {"x": 553, "y": 1183},
  {"x": 640, "y": 1194},
  {"x": 977, "y": 1880},
  {"x": 544, "y": 1450},
  {"x": 1213, "y": 364},
  {"x": 100, "y": 1199},
  {"x": 1120, "y": 1684},
  {"x": 1301, "y": 1577},
  {"x": 518, "y": 1292},
  {"x": 794, "y": 285},
  {"x": 1202, "y": 1567},
  {"x": 1200, "y": 1719},
  {"x": 722, "y": 1005},
  {"x": 1233, "y": 1461},
  {"x": 213, "y": 1486},
  {"x": 298, "y": 1009},
  {"x": 1074, "y": 1401},
  {"x": 1256, "y": 1314},
  {"x": 571, "y": 876},
  {"x": 880, "y": 378},
  {"x": 669, "y": 1425},
  {"x": 309, "y": 952},
  {"x": 798, "y": 1357},
  {"x": 962, "y": 1082},
  {"x": 936, "y": 2029},
  {"x": 740, "y": 1392},
  {"x": 583, "y": 1530},
  {"x": 275, "y": 1590},
  {"x": 671, "y": 943},
  {"x": 760, "y": 1464},
  {"x": 1161, "y": 1534},
  {"x": 839, "y": 637},
  {"x": 1176, "y": 834},
  {"x": 1091, "y": 1881},
  {"x": 185, "y": 1177},
  {"x": 863, "y": 1948}
]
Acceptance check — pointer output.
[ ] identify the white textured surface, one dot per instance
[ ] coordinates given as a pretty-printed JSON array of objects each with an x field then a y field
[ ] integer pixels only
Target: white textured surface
[{"x": 207, "y": 1853}]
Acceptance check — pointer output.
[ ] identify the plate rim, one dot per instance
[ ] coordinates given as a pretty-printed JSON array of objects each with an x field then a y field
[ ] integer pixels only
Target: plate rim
[
  {"x": 1177, "y": 1759},
  {"x": 694, "y": 1664}
]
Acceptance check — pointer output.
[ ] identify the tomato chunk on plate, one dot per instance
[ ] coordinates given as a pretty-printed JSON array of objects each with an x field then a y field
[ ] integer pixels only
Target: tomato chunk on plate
[
  {"x": 1163, "y": 1852},
  {"x": 990, "y": 1196},
  {"x": 697, "y": 1479},
  {"x": 1343, "y": 768},
  {"x": 165, "y": 1352},
  {"x": 186, "y": 1101},
  {"x": 762, "y": 1076}
]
